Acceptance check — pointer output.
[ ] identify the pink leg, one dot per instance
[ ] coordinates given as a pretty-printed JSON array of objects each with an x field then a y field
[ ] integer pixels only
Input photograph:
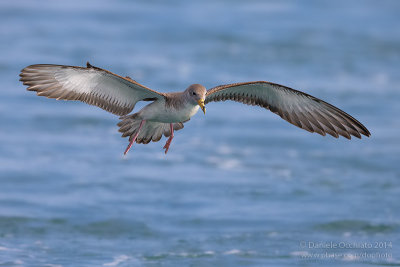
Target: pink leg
[
  {"x": 171, "y": 126},
  {"x": 134, "y": 138}
]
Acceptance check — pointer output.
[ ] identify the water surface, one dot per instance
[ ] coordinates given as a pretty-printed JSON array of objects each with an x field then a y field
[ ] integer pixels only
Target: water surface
[{"x": 239, "y": 186}]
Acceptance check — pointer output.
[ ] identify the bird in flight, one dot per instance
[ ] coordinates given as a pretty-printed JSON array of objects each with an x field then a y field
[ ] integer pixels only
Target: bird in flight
[{"x": 167, "y": 112}]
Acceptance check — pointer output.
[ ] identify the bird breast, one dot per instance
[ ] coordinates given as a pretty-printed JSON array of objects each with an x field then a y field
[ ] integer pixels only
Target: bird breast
[{"x": 161, "y": 112}]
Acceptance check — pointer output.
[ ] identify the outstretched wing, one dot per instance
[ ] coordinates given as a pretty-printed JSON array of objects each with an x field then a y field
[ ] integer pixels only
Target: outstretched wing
[
  {"x": 298, "y": 108},
  {"x": 92, "y": 85}
]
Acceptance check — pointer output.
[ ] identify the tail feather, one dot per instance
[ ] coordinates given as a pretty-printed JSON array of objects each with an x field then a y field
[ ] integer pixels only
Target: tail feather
[{"x": 151, "y": 131}]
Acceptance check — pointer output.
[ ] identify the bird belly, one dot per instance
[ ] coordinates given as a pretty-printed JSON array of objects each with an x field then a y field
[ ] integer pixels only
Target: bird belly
[{"x": 161, "y": 113}]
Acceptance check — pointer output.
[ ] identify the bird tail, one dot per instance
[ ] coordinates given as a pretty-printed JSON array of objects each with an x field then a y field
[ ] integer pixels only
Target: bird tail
[{"x": 151, "y": 130}]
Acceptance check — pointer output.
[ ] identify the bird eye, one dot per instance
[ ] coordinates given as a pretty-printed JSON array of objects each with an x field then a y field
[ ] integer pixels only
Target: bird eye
[{"x": 193, "y": 93}]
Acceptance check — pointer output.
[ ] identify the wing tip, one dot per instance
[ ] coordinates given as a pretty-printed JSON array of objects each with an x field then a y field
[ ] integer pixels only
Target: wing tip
[
  {"x": 366, "y": 132},
  {"x": 358, "y": 135}
]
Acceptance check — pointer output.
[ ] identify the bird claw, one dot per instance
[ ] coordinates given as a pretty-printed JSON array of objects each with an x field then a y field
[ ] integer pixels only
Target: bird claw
[
  {"x": 134, "y": 138},
  {"x": 166, "y": 146},
  {"x": 128, "y": 147}
]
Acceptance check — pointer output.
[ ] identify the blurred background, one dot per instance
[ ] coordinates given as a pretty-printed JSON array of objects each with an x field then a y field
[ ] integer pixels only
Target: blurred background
[{"x": 239, "y": 186}]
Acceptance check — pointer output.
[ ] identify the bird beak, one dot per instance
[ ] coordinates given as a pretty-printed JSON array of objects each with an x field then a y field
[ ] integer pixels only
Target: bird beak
[{"x": 202, "y": 106}]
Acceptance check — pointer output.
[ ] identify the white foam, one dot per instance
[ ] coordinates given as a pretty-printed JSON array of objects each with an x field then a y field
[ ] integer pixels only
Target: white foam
[
  {"x": 8, "y": 249},
  {"x": 224, "y": 163},
  {"x": 52, "y": 265},
  {"x": 232, "y": 252},
  {"x": 225, "y": 150},
  {"x": 182, "y": 254},
  {"x": 117, "y": 260},
  {"x": 18, "y": 262},
  {"x": 347, "y": 234}
]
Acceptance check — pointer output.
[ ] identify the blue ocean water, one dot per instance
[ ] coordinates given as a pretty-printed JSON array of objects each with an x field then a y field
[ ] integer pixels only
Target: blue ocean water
[{"x": 239, "y": 186}]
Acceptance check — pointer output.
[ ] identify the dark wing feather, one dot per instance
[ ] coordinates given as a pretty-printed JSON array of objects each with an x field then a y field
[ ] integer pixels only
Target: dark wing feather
[
  {"x": 91, "y": 85},
  {"x": 298, "y": 108}
]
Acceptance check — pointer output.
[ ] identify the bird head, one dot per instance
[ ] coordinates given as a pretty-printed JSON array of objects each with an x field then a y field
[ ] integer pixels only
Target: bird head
[{"x": 197, "y": 95}]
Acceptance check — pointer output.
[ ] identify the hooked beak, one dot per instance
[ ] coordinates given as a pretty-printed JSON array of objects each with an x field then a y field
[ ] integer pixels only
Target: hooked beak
[{"x": 202, "y": 106}]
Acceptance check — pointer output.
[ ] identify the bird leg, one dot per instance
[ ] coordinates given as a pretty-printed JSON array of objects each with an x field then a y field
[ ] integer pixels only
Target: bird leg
[
  {"x": 134, "y": 138},
  {"x": 166, "y": 147}
]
